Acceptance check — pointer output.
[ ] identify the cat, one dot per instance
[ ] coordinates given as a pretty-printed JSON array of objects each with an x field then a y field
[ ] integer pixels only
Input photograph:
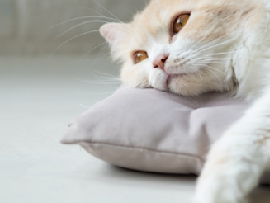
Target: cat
[{"x": 189, "y": 47}]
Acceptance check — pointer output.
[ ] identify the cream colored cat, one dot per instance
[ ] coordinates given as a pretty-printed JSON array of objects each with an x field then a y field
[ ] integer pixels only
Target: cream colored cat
[{"x": 193, "y": 46}]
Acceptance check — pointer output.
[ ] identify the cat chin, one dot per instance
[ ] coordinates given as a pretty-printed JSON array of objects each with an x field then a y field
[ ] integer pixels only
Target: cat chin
[
  {"x": 185, "y": 85},
  {"x": 186, "y": 92}
]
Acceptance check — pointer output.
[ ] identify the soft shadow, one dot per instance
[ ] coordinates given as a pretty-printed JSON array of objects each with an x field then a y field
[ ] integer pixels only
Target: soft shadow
[
  {"x": 261, "y": 195},
  {"x": 115, "y": 171}
]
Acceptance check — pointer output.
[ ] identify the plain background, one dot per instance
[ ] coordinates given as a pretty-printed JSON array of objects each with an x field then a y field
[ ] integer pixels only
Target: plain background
[
  {"x": 41, "y": 93},
  {"x": 26, "y": 25}
]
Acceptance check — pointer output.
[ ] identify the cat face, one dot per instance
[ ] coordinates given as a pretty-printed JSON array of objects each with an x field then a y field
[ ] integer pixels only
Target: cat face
[{"x": 184, "y": 46}]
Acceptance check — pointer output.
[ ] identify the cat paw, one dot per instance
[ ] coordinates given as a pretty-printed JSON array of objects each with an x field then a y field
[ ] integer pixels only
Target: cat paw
[
  {"x": 233, "y": 168},
  {"x": 218, "y": 190},
  {"x": 226, "y": 179}
]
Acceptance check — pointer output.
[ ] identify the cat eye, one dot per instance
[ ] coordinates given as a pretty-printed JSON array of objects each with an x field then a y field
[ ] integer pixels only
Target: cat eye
[
  {"x": 140, "y": 56},
  {"x": 179, "y": 22}
]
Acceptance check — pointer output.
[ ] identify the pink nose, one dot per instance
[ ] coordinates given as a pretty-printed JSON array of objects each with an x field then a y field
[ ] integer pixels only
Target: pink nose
[{"x": 160, "y": 60}]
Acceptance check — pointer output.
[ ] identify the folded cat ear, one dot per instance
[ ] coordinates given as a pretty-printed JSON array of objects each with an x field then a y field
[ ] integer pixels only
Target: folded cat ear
[{"x": 113, "y": 32}]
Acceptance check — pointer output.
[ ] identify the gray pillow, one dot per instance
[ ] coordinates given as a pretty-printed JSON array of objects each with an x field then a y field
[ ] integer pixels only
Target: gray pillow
[{"x": 153, "y": 131}]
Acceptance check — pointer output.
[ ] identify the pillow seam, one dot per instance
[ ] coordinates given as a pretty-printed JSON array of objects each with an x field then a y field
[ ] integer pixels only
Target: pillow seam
[{"x": 142, "y": 148}]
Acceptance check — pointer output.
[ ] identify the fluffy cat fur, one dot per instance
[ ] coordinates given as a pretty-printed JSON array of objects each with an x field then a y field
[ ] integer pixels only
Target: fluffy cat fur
[{"x": 223, "y": 47}]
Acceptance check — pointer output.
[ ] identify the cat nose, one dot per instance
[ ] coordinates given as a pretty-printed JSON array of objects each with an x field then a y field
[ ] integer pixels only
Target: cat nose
[{"x": 160, "y": 60}]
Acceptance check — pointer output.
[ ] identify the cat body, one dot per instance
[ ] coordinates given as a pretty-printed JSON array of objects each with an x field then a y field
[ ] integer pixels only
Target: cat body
[{"x": 189, "y": 47}]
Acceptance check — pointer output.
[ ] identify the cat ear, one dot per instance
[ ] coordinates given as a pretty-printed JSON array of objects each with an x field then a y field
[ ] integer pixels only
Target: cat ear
[{"x": 113, "y": 32}]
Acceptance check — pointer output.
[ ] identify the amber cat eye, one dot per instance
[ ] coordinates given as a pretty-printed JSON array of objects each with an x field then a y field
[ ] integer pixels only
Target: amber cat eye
[
  {"x": 139, "y": 56},
  {"x": 180, "y": 22}
]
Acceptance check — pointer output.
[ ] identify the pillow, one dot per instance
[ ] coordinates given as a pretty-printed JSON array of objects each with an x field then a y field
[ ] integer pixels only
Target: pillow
[{"x": 153, "y": 131}]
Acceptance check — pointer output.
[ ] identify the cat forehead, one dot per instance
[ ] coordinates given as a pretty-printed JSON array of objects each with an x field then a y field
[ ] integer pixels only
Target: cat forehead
[
  {"x": 155, "y": 20},
  {"x": 158, "y": 14}
]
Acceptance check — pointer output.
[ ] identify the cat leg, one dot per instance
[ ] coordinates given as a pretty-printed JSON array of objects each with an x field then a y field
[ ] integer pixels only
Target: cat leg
[{"x": 237, "y": 161}]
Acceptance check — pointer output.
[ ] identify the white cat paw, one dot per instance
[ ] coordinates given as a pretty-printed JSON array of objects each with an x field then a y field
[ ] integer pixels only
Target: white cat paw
[
  {"x": 218, "y": 195},
  {"x": 222, "y": 185},
  {"x": 233, "y": 169}
]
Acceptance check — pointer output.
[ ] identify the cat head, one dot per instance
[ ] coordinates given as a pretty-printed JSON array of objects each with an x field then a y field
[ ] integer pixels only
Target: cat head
[{"x": 186, "y": 46}]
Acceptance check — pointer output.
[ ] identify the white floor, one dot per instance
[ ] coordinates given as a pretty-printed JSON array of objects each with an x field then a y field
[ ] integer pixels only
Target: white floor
[{"x": 38, "y": 99}]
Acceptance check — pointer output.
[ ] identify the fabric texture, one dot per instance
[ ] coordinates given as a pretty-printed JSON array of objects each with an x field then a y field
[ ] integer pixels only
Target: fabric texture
[{"x": 153, "y": 131}]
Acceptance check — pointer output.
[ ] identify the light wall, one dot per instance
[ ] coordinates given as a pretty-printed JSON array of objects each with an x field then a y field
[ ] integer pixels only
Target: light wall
[{"x": 24, "y": 24}]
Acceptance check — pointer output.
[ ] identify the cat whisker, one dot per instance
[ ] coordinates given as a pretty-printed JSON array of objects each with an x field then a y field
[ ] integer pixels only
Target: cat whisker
[
  {"x": 78, "y": 18},
  {"x": 82, "y": 105},
  {"x": 221, "y": 37},
  {"x": 113, "y": 80},
  {"x": 212, "y": 57},
  {"x": 212, "y": 42},
  {"x": 200, "y": 47},
  {"x": 209, "y": 42},
  {"x": 211, "y": 68},
  {"x": 109, "y": 78},
  {"x": 107, "y": 11},
  {"x": 213, "y": 46},
  {"x": 205, "y": 60},
  {"x": 198, "y": 42},
  {"x": 102, "y": 79},
  {"x": 91, "y": 51},
  {"x": 80, "y": 24},
  {"x": 222, "y": 53},
  {"x": 222, "y": 43},
  {"x": 198, "y": 73},
  {"x": 99, "y": 53},
  {"x": 116, "y": 19},
  {"x": 113, "y": 19},
  {"x": 85, "y": 33},
  {"x": 210, "y": 60},
  {"x": 98, "y": 82},
  {"x": 211, "y": 71},
  {"x": 209, "y": 46},
  {"x": 213, "y": 62}
]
